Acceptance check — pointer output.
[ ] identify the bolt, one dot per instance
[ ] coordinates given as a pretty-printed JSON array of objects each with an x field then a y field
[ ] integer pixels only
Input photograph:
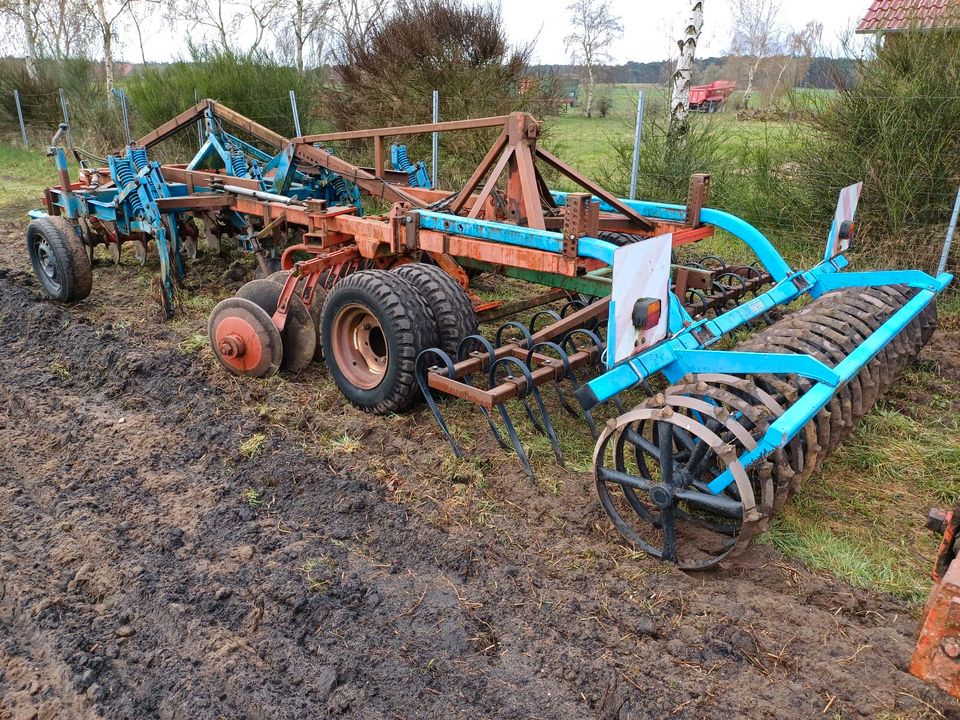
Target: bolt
[
  {"x": 937, "y": 520},
  {"x": 950, "y": 647},
  {"x": 232, "y": 346}
]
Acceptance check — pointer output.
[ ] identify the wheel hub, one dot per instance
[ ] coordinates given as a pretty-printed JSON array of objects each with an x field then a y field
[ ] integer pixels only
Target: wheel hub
[
  {"x": 46, "y": 260},
  {"x": 233, "y": 346},
  {"x": 661, "y": 495},
  {"x": 360, "y": 346},
  {"x": 238, "y": 343}
]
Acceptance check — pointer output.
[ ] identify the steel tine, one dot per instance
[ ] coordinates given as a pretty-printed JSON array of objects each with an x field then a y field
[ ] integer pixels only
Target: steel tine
[
  {"x": 463, "y": 350},
  {"x": 420, "y": 371},
  {"x": 532, "y": 417},
  {"x": 511, "y": 431},
  {"x": 552, "y": 314},
  {"x": 567, "y": 372},
  {"x": 548, "y": 427},
  {"x": 517, "y": 445}
]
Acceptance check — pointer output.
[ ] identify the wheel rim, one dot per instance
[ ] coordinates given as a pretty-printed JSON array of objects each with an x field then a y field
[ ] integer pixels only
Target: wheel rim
[
  {"x": 360, "y": 346},
  {"x": 46, "y": 263}
]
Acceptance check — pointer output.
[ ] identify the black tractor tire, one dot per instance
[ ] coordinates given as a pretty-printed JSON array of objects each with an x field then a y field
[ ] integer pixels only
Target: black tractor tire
[
  {"x": 402, "y": 328},
  {"x": 59, "y": 258},
  {"x": 447, "y": 302}
]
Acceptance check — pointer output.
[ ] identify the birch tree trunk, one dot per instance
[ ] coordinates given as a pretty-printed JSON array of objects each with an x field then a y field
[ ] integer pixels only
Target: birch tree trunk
[
  {"x": 106, "y": 30},
  {"x": 591, "y": 83},
  {"x": 680, "y": 99},
  {"x": 26, "y": 17}
]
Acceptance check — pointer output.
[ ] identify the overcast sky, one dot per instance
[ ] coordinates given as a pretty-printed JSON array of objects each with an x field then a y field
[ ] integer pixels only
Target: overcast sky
[{"x": 651, "y": 27}]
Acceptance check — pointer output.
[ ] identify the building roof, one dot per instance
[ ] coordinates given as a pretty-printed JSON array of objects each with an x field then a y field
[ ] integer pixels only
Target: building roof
[{"x": 894, "y": 15}]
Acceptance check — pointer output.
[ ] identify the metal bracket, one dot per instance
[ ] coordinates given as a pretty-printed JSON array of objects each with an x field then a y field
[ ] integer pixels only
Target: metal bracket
[
  {"x": 697, "y": 195},
  {"x": 581, "y": 218}
]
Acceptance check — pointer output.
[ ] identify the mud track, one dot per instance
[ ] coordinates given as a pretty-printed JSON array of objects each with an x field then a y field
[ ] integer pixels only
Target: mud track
[{"x": 140, "y": 577}]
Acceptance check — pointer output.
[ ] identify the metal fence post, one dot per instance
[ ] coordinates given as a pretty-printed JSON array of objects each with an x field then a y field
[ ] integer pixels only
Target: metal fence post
[
  {"x": 196, "y": 96},
  {"x": 950, "y": 231},
  {"x": 436, "y": 135},
  {"x": 637, "y": 134},
  {"x": 66, "y": 117},
  {"x": 122, "y": 97},
  {"x": 23, "y": 128},
  {"x": 296, "y": 114}
]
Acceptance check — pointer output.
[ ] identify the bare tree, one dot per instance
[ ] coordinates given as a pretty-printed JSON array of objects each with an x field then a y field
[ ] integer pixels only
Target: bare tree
[
  {"x": 22, "y": 14},
  {"x": 595, "y": 29},
  {"x": 680, "y": 100},
  {"x": 798, "y": 50},
  {"x": 302, "y": 33},
  {"x": 756, "y": 35},
  {"x": 231, "y": 20},
  {"x": 351, "y": 23},
  {"x": 64, "y": 28},
  {"x": 104, "y": 16}
]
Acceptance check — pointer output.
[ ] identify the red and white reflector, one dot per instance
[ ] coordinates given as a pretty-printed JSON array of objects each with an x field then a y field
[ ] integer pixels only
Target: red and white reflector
[
  {"x": 841, "y": 231},
  {"x": 639, "y": 298}
]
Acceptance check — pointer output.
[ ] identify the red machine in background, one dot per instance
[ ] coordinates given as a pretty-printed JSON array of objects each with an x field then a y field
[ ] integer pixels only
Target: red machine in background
[{"x": 710, "y": 98}]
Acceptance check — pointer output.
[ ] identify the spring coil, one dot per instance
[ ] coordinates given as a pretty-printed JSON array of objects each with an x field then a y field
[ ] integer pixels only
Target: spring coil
[
  {"x": 238, "y": 163},
  {"x": 127, "y": 176},
  {"x": 138, "y": 156}
]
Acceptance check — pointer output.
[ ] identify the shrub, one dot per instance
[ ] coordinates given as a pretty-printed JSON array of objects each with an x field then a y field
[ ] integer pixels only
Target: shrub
[
  {"x": 897, "y": 128},
  {"x": 387, "y": 76},
  {"x": 254, "y": 85},
  {"x": 604, "y": 105},
  {"x": 94, "y": 121}
]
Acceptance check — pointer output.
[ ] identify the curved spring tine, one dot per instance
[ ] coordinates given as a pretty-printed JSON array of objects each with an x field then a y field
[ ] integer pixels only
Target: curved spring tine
[
  {"x": 543, "y": 424},
  {"x": 462, "y": 353},
  {"x": 548, "y": 427},
  {"x": 718, "y": 262},
  {"x": 567, "y": 374},
  {"x": 479, "y": 340},
  {"x": 572, "y": 306},
  {"x": 517, "y": 445},
  {"x": 543, "y": 313},
  {"x": 595, "y": 340},
  {"x": 512, "y": 324},
  {"x": 420, "y": 370},
  {"x": 723, "y": 294},
  {"x": 701, "y": 299}
]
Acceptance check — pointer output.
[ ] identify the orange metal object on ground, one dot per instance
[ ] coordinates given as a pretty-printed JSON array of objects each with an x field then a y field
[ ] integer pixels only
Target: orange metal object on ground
[
  {"x": 936, "y": 659},
  {"x": 239, "y": 344}
]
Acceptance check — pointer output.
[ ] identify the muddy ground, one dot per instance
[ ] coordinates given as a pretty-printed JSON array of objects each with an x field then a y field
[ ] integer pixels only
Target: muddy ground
[{"x": 175, "y": 543}]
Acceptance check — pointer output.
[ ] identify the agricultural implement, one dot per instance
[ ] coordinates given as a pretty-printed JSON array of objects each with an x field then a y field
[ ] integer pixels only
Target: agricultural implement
[
  {"x": 936, "y": 658},
  {"x": 716, "y": 441}
]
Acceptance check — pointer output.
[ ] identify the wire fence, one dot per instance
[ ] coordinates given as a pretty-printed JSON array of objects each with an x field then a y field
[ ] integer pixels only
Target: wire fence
[{"x": 620, "y": 143}]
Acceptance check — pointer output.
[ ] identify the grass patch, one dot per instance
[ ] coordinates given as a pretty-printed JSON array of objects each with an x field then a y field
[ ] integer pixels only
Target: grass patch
[
  {"x": 252, "y": 446},
  {"x": 253, "y": 498},
  {"x": 862, "y": 519},
  {"x": 194, "y": 343},
  {"x": 23, "y": 176},
  {"x": 346, "y": 444}
]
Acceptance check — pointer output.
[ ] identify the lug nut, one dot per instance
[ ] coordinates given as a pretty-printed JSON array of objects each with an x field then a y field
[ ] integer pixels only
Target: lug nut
[{"x": 950, "y": 647}]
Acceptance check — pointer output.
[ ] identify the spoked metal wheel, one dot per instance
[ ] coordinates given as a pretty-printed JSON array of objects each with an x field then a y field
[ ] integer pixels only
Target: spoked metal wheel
[{"x": 652, "y": 466}]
